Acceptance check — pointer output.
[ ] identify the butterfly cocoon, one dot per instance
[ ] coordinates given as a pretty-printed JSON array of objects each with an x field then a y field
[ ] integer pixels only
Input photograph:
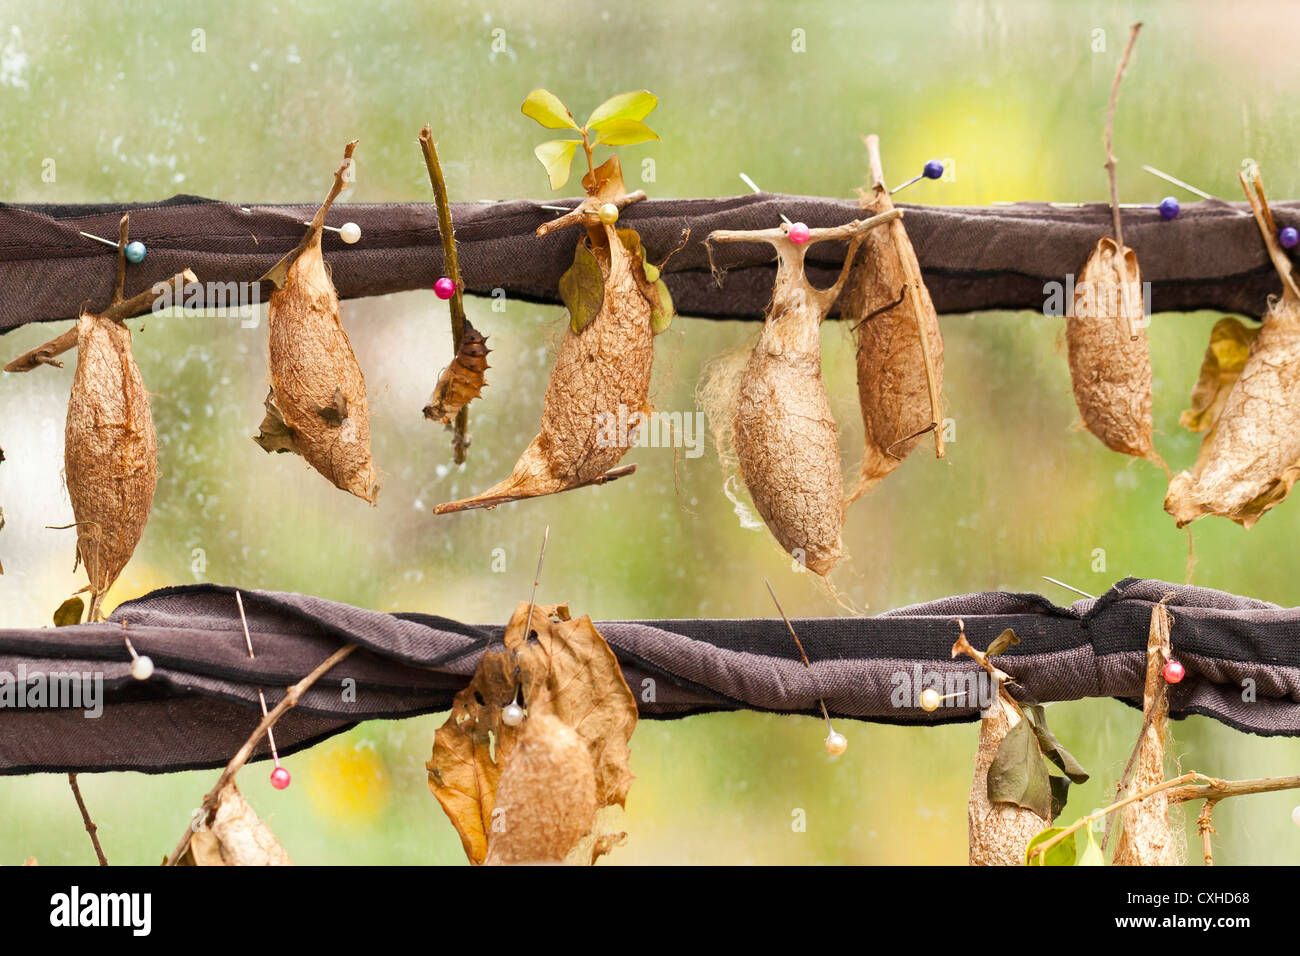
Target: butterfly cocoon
[
  {"x": 1110, "y": 367},
  {"x": 110, "y": 456}
]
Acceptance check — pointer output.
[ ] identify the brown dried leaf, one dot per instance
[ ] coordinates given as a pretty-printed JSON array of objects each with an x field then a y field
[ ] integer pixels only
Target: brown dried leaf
[
  {"x": 893, "y": 390},
  {"x": 110, "y": 454},
  {"x": 462, "y": 381},
  {"x": 1225, "y": 357},
  {"x": 235, "y": 837},
  {"x": 1250, "y": 456},
  {"x": 274, "y": 435},
  {"x": 566, "y": 672},
  {"x": 997, "y": 832},
  {"x": 599, "y": 370},
  {"x": 1110, "y": 366}
]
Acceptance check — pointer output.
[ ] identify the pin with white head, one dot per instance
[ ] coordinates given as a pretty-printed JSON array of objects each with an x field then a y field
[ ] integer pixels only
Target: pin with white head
[
  {"x": 512, "y": 714},
  {"x": 797, "y": 232},
  {"x": 280, "y": 778},
  {"x": 836, "y": 743},
  {"x": 141, "y": 665},
  {"x": 933, "y": 169},
  {"x": 349, "y": 232}
]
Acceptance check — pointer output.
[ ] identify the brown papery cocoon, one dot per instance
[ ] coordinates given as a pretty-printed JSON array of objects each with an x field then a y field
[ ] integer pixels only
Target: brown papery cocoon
[
  {"x": 1110, "y": 367},
  {"x": 110, "y": 456},
  {"x": 599, "y": 371},
  {"x": 316, "y": 380},
  {"x": 1146, "y": 838},
  {"x": 997, "y": 833},
  {"x": 894, "y": 325},
  {"x": 1250, "y": 457}
]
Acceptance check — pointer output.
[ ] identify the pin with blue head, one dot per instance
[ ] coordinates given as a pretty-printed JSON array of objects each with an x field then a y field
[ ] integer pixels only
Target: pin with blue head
[
  {"x": 1169, "y": 206},
  {"x": 933, "y": 169},
  {"x": 134, "y": 251},
  {"x": 1289, "y": 237}
]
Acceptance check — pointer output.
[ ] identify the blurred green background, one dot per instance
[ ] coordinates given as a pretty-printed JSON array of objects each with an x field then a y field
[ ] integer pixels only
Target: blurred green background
[{"x": 117, "y": 95}]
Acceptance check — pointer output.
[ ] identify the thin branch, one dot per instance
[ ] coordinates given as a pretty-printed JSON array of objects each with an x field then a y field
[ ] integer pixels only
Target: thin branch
[
  {"x": 451, "y": 262},
  {"x": 44, "y": 354},
  {"x": 470, "y": 504},
  {"x": 144, "y": 301},
  {"x": 1110, "y": 127},
  {"x": 1205, "y": 827},
  {"x": 241, "y": 756},
  {"x": 585, "y": 213},
  {"x": 1122, "y": 802},
  {"x": 847, "y": 231},
  {"x": 280, "y": 270},
  {"x": 1215, "y": 789},
  {"x": 1268, "y": 229},
  {"x": 85, "y": 818},
  {"x": 119, "y": 285}
]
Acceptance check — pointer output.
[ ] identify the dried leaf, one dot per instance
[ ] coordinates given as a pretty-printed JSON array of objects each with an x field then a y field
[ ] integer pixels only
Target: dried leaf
[
  {"x": 582, "y": 287},
  {"x": 893, "y": 389},
  {"x": 69, "y": 612},
  {"x": 1051, "y": 747},
  {"x": 1004, "y": 640},
  {"x": 1250, "y": 456},
  {"x": 1017, "y": 774},
  {"x": 1225, "y": 357},
  {"x": 605, "y": 184},
  {"x": 235, "y": 837},
  {"x": 567, "y": 672},
  {"x": 1110, "y": 366},
  {"x": 998, "y": 832},
  {"x": 313, "y": 369},
  {"x": 110, "y": 458},
  {"x": 274, "y": 435},
  {"x": 462, "y": 381}
]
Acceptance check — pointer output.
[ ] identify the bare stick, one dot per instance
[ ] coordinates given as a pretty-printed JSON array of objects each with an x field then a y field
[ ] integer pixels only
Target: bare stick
[
  {"x": 1268, "y": 229},
  {"x": 44, "y": 354},
  {"x": 241, "y": 756},
  {"x": 451, "y": 262},
  {"x": 471, "y": 504},
  {"x": 278, "y": 272},
  {"x": 119, "y": 286},
  {"x": 1110, "y": 127},
  {"x": 1205, "y": 827},
  {"x": 849, "y": 230},
  {"x": 1215, "y": 789},
  {"x": 586, "y": 211},
  {"x": 144, "y": 301},
  {"x": 85, "y": 818}
]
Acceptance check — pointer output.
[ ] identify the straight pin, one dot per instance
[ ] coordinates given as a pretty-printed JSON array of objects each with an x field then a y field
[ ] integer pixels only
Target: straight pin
[
  {"x": 349, "y": 232},
  {"x": 135, "y": 251},
  {"x": 836, "y": 743},
  {"x": 933, "y": 169},
  {"x": 512, "y": 714},
  {"x": 280, "y": 778},
  {"x": 754, "y": 186},
  {"x": 1069, "y": 587}
]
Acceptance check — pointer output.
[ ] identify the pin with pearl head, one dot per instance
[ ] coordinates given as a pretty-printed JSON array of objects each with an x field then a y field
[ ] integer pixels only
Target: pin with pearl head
[
  {"x": 141, "y": 665},
  {"x": 512, "y": 714},
  {"x": 797, "y": 232},
  {"x": 836, "y": 743},
  {"x": 134, "y": 251},
  {"x": 280, "y": 778},
  {"x": 349, "y": 232}
]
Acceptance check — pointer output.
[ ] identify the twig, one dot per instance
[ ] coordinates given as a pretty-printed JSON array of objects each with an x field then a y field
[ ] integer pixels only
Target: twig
[
  {"x": 85, "y": 818},
  {"x": 470, "y": 504},
  {"x": 1268, "y": 228},
  {"x": 144, "y": 301},
  {"x": 119, "y": 284},
  {"x": 586, "y": 209},
  {"x": 1205, "y": 827},
  {"x": 278, "y": 272},
  {"x": 44, "y": 354},
  {"x": 1110, "y": 127},
  {"x": 1122, "y": 802},
  {"x": 451, "y": 262},
  {"x": 1215, "y": 789},
  {"x": 241, "y": 756},
  {"x": 849, "y": 230}
]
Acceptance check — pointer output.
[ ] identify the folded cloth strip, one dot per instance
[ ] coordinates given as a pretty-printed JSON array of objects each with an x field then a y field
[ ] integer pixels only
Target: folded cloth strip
[
  {"x": 972, "y": 258},
  {"x": 201, "y": 702}
]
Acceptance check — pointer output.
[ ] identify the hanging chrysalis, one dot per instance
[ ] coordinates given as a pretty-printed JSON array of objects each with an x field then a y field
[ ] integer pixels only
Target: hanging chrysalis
[
  {"x": 462, "y": 381},
  {"x": 318, "y": 404},
  {"x": 781, "y": 429},
  {"x": 1250, "y": 457}
]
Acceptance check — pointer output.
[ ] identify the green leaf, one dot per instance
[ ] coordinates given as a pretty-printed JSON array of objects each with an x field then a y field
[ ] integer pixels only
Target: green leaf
[
  {"x": 1004, "y": 640},
  {"x": 1018, "y": 774},
  {"x": 624, "y": 132},
  {"x": 661, "y": 316},
  {"x": 545, "y": 107},
  {"x": 1091, "y": 855},
  {"x": 1051, "y": 747},
  {"x": 557, "y": 156},
  {"x": 69, "y": 612},
  {"x": 634, "y": 106},
  {"x": 1062, "y": 854},
  {"x": 582, "y": 287}
]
